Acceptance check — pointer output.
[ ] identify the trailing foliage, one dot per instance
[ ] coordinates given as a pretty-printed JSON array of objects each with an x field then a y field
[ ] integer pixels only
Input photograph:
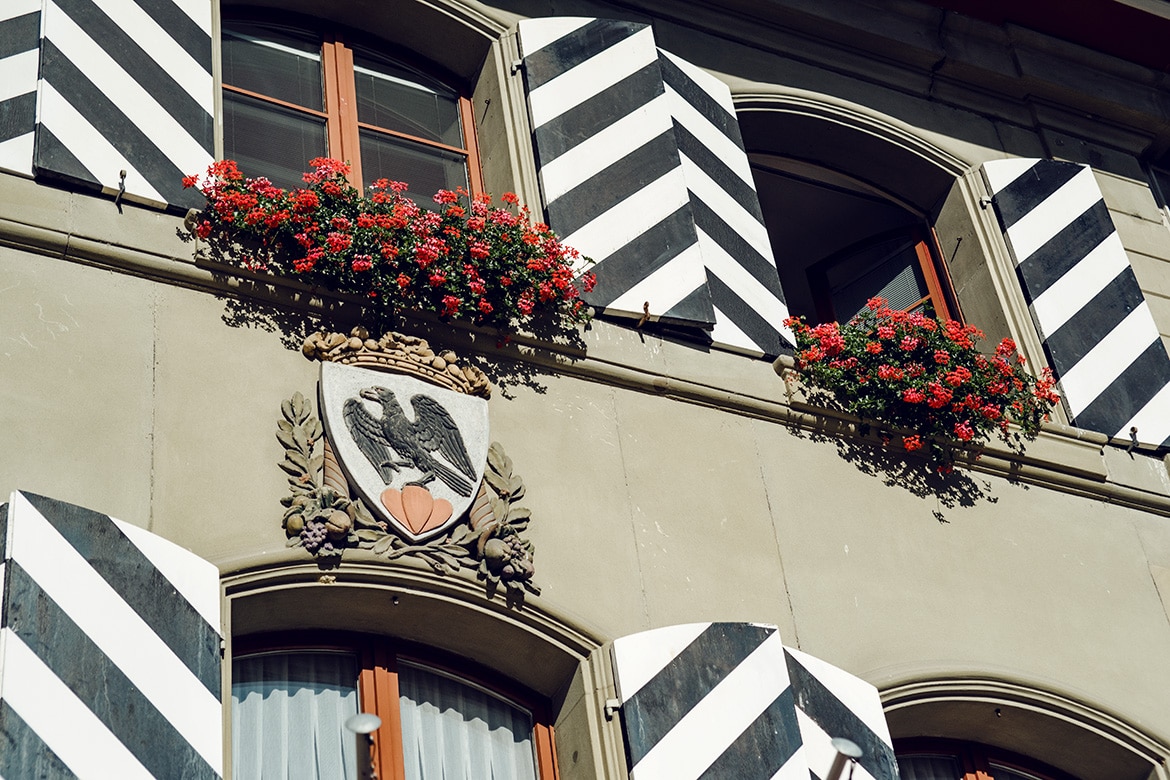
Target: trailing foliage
[
  {"x": 913, "y": 372},
  {"x": 465, "y": 259}
]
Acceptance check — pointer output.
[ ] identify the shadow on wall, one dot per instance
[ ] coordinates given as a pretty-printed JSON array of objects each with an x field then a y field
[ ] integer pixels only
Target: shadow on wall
[
  {"x": 294, "y": 314},
  {"x": 952, "y": 488}
]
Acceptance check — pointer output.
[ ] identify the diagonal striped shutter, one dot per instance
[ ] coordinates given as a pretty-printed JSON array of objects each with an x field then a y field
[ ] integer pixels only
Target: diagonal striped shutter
[
  {"x": 1093, "y": 319},
  {"x": 109, "y": 649},
  {"x": 833, "y": 703},
  {"x": 20, "y": 30},
  {"x": 643, "y": 169},
  {"x": 709, "y": 700},
  {"x": 126, "y": 85}
]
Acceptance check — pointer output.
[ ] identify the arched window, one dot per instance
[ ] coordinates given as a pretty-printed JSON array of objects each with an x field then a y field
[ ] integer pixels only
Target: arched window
[
  {"x": 945, "y": 759},
  {"x": 290, "y": 95},
  {"x": 440, "y": 718},
  {"x": 841, "y": 241}
]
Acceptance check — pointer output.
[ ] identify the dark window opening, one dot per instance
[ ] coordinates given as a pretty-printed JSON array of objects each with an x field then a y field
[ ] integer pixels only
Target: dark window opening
[{"x": 839, "y": 241}]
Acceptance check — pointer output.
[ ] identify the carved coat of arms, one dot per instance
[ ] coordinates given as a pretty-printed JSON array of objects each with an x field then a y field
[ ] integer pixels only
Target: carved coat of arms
[{"x": 414, "y": 451}]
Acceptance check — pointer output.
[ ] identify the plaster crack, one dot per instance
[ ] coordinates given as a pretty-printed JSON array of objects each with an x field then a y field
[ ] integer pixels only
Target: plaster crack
[
  {"x": 630, "y": 503},
  {"x": 779, "y": 547}
]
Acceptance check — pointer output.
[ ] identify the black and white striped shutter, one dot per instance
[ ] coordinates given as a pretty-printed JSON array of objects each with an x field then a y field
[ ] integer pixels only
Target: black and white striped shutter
[
  {"x": 709, "y": 700},
  {"x": 1093, "y": 319},
  {"x": 109, "y": 649},
  {"x": 126, "y": 85},
  {"x": 832, "y": 703},
  {"x": 643, "y": 169},
  {"x": 20, "y": 31}
]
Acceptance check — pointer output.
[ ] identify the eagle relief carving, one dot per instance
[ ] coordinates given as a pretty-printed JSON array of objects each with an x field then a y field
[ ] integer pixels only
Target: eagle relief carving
[
  {"x": 422, "y": 482},
  {"x": 417, "y": 443},
  {"x": 418, "y": 469}
]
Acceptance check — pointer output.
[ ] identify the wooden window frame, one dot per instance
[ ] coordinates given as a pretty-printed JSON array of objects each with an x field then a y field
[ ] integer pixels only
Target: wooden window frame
[
  {"x": 341, "y": 114},
  {"x": 976, "y": 759},
  {"x": 378, "y": 691},
  {"x": 939, "y": 289}
]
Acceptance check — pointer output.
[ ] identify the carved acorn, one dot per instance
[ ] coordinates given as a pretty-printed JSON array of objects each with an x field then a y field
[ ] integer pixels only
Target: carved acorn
[{"x": 338, "y": 525}]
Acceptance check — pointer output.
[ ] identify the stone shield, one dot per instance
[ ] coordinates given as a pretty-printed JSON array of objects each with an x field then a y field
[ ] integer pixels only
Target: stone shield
[{"x": 401, "y": 443}]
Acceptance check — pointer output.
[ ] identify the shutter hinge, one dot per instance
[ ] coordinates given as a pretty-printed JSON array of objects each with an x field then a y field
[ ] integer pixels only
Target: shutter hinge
[{"x": 612, "y": 706}]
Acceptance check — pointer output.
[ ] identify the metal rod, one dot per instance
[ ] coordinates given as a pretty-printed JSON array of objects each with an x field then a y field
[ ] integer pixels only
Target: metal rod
[
  {"x": 362, "y": 726},
  {"x": 846, "y": 751}
]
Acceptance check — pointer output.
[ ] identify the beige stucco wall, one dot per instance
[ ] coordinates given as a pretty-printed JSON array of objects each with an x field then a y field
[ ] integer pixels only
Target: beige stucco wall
[
  {"x": 137, "y": 399},
  {"x": 669, "y": 484}
]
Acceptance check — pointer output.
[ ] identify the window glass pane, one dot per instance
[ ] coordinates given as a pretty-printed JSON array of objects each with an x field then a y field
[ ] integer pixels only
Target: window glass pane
[
  {"x": 275, "y": 63},
  {"x": 270, "y": 141},
  {"x": 395, "y": 98},
  {"x": 1000, "y": 772},
  {"x": 889, "y": 269},
  {"x": 452, "y": 731},
  {"x": 929, "y": 768},
  {"x": 1161, "y": 188},
  {"x": 288, "y": 716},
  {"x": 425, "y": 169}
]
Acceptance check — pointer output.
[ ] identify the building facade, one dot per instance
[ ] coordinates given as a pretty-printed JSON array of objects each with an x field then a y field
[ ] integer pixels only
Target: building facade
[{"x": 693, "y": 512}]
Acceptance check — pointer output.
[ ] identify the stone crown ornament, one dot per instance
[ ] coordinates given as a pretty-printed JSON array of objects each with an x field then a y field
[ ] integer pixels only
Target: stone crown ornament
[{"x": 401, "y": 354}]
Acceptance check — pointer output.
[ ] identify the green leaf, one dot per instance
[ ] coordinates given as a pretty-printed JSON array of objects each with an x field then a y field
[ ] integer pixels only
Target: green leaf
[
  {"x": 301, "y": 441},
  {"x": 450, "y": 560},
  {"x": 518, "y": 513},
  {"x": 291, "y": 468},
  {"x": 496, "y": 482},
  {"x": 287, "y": 438},
  {"x": 298, "y": 405},
  {"x": 383, "y": 544},
  {"x": 286, "y": 408},
  {"x": 298, "y": 460},
  {"x": 369, "y": 534},
  {"x": 463, "y": 536},
  {"x": 499, "y": 462}
]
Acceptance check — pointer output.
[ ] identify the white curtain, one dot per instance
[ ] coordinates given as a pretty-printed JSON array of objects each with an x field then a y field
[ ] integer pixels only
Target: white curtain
[
  {"x": 288, "y": 711},
  {"x": 452, "y": 731}
]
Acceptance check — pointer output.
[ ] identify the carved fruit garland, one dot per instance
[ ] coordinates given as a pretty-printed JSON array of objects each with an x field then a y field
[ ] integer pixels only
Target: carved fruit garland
[
  {"x": 316, "y": 517},
  {"x": 324, "y": 522}
]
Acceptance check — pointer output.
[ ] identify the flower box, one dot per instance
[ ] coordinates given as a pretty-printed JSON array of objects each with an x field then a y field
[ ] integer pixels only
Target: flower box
[
  {"x": 924, "y": 380},
  {"x": 466, "y": 258}
]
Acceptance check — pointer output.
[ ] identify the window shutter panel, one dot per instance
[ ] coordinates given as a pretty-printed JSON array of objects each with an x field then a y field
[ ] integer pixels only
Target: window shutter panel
[
  {"x": 643, "y": 169},
  {"x": 832, "y": 703},
  {"x": 126, "y": 86},
  {"x": 20, "y": 30},
  {"x": 109, "y": 649},
  {"x": 1093, "y": 319},
  {"x": 708, "y": 700}
]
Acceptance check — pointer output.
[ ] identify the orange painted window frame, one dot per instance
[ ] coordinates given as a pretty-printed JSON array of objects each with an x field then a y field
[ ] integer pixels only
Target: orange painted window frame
[
  {"x": 341, "y": 119},
  {"x": 940, "y": 291},
  {"x": 378, "y": 691}
]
